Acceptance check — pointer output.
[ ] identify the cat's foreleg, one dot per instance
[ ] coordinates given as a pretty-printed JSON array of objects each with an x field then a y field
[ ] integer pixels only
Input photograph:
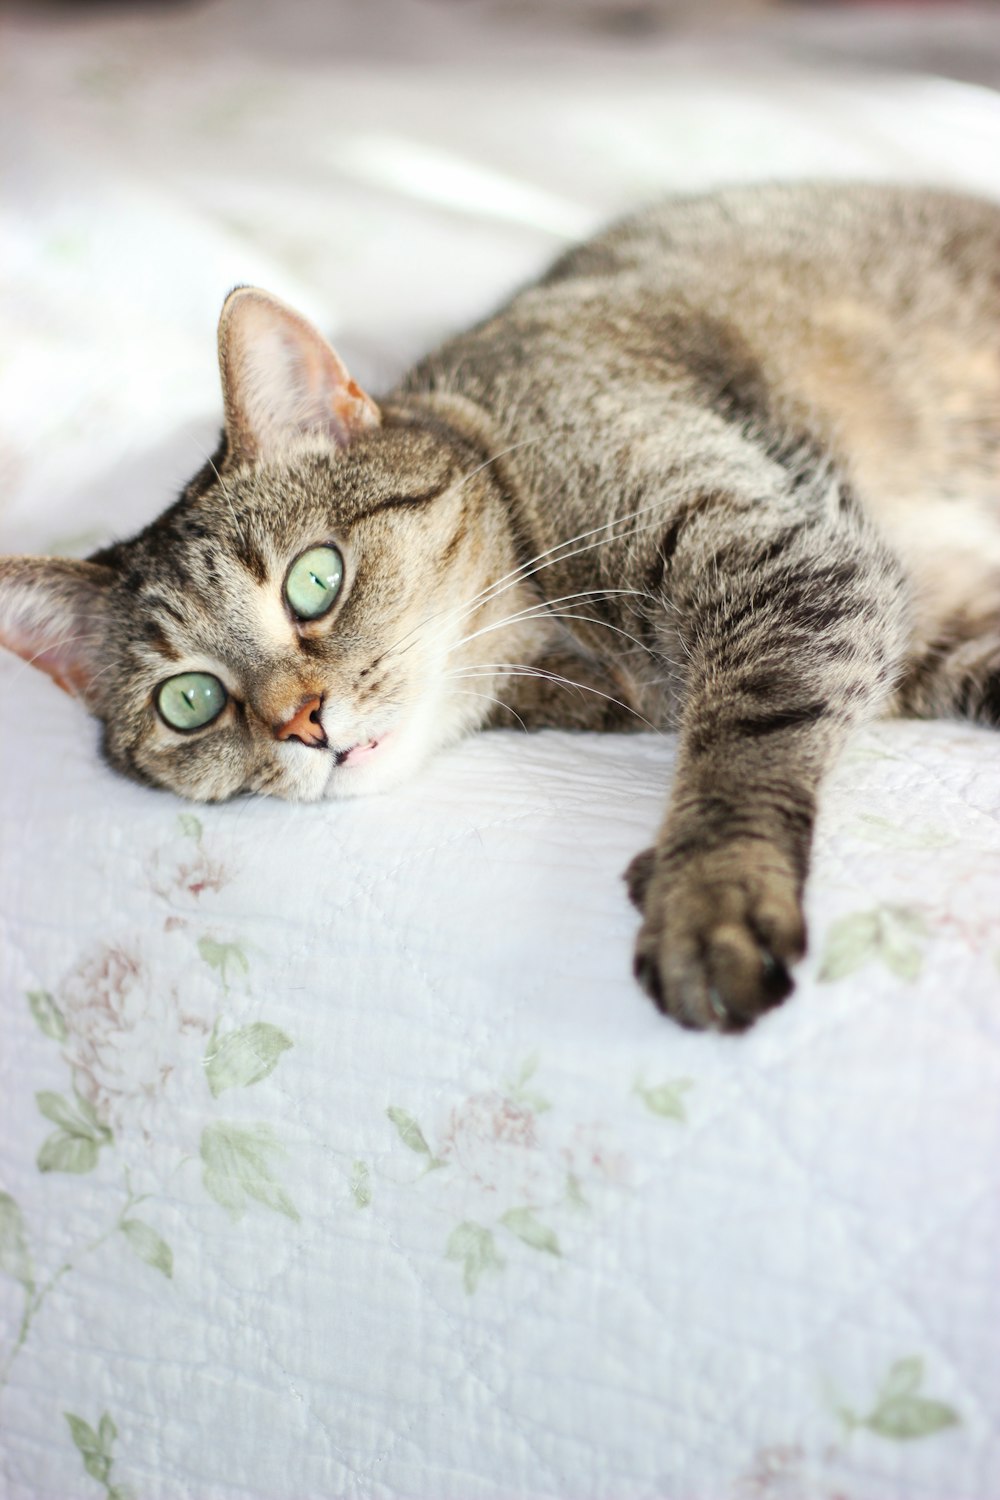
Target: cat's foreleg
[{"x": 791, "y": 640}]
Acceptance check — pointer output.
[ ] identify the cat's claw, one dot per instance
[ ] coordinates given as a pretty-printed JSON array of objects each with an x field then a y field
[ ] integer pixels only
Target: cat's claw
[{"x": 714, "y": 951}]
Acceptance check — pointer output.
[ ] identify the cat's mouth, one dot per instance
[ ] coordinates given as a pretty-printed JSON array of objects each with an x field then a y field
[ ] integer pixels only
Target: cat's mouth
[
  {"x": 364, "y": 767},
  {"x": 357, "y": 753}
]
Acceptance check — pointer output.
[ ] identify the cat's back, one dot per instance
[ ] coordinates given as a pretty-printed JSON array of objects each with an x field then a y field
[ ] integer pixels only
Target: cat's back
[
  {"x": 808, "y": 235},
  {"x": 858, "y": 319},
  {"x": 865, "y": 316},
  {"x": 789, "y": 269}
]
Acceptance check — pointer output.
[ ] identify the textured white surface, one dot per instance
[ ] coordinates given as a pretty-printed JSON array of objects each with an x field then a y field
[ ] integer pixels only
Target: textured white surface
[{"x": 588, "y": 1255}]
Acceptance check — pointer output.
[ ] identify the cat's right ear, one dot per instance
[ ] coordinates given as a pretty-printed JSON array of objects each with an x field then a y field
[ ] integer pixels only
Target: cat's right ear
[
  {"x": 51, "y": 611},
  {"x": 282, "y": 382}
]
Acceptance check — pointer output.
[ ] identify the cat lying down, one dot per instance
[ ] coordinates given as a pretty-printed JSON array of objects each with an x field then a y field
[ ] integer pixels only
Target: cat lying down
[{"x": 730, "y": 468}]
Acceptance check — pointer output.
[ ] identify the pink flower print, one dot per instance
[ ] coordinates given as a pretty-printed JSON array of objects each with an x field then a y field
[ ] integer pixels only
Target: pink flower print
[
  {"x": 493, "y": 1140},
  {"x": 589, "y": 1156},
  {"x": 123, "y": 1032}
]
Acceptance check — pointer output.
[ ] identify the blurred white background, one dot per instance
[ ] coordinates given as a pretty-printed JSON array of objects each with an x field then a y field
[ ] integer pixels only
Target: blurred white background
[{"x": 392, "y": 168}]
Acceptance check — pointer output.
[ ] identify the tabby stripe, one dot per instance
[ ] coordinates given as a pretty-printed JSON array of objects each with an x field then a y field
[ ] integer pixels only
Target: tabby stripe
[
  {"x": 719, "y": 730},
  {"x": 157, "y": 602},
  {"x": 792, "y": 840},
  {"x": 457, "y": 538},
  {"x": 247, "y": 554},
  {"x": 781, "y": 719},
  {"x": 395, "y": 502}
]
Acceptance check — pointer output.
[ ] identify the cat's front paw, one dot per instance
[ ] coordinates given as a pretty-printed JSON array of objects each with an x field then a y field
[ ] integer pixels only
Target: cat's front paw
[{"x": 719, "y": 933}]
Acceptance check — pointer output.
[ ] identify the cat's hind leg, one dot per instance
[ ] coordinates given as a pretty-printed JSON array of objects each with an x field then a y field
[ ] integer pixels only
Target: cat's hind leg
[
  {"x": 955, "y": 676},
  {"x": 791, "y": 639}
]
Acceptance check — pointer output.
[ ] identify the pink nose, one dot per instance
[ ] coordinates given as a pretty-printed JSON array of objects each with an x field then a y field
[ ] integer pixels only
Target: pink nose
[{"x": 304, "y": 725}]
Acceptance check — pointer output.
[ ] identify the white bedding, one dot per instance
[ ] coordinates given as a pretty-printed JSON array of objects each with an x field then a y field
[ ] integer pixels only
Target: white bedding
[{"x": 380, "y": 1177}]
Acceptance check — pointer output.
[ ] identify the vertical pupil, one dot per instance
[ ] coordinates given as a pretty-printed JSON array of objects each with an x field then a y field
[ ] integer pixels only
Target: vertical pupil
[{"x": 313, "y": 582}]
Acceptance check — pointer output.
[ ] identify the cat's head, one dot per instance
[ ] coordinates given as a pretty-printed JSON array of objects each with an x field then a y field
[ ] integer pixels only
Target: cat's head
[{"x": 291, "y": 625}]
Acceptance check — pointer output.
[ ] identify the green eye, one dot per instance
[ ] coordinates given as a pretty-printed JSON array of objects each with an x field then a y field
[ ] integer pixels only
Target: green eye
[
  {"x": 314, "y": 581},
  {"x": 191, "y": 700}
]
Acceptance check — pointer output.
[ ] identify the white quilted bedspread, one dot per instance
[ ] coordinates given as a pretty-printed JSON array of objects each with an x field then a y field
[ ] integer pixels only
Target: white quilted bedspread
[{"x": 340, "y": 1155}]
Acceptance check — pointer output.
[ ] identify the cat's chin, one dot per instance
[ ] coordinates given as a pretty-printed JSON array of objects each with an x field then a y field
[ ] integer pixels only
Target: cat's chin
[
  {"x": 396, "y": 754},
  {"x": 373, "y": 766}
]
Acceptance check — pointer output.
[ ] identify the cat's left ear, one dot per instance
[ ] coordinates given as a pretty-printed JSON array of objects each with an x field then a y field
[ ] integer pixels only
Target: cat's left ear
[
  {"x": 281, "y": 380},
  {"x": 50, "y": 614}
]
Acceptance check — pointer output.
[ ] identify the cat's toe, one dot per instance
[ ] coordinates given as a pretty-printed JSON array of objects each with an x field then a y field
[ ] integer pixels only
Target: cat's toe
[{"x": 715, "y": 954}]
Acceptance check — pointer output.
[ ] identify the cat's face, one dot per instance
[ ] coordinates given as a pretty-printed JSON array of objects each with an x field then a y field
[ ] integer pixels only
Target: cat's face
[
  {"x": 293, "y": 625},
  {"x": 310, "y": 613}
]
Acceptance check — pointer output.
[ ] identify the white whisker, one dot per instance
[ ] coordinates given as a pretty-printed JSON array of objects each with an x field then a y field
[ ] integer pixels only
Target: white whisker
[
  {"x": 467, "y": 693},
  {"x": 550, "y": 557},
  {"x": 225, "y": 493},
  {"x": 567, "y": 614},
  {"x": 525, "y": 443},
  {"x": 514, "y": 670},
  {"x": 540, "y": 610},
  {"x": 607, "y": 532},
  {"x": 537, "y": 563}
]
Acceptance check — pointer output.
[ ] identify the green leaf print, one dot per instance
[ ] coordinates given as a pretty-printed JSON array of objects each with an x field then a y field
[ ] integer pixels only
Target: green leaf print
[
  {"x": 225, "y": 958},
  {"x": 903, "y": 1379},
  {"x": 888, "y": 933},
  {"x": 47, "y": 1014},
  {"x": 361, "y": 1188},
  {"x": 189, "y": 825},
  {"x": 474, "y": 1247},
  {"x": 911, "y": 1417},
  {"x": 149, "y": 1246},
  {"x": 574, "y": 1192},
  {"x": 902, "y": 836},
  {"x": 664, "y": 1099},
  {"x": 900, "y": 1412},
  {"x": 96, "y": 1457},
  {"x": 15, "y": 1257},
  {"x": 67, "y": 1153},
  {"x": 75, "y": 1145},
  {"x": 244, "y": 1057},
  {"x": 409, "y": 1131},
  {"x": 77, "y": 1118},
  {"x": 522, "y": 1222},
  {"x": 95, "y": 1450},
  {"x": 527, "y": 1070},
  {"x": 851, "y": 942},
  {"x": 236, "y": 1166},
  {"x": 57, "y": 1109},
  {"x": 88, "y": 1114}
]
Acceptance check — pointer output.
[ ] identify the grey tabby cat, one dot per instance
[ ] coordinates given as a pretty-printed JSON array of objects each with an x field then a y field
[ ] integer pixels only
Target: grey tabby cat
[{"x": 733, "y": 467}]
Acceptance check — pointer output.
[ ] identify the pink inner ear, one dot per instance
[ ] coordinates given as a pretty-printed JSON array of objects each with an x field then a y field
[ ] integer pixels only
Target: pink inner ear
[
  {"x": 68, "y": 675},
  {"x": 353, "y": 411},
  {"x": 282, "y": 379},
  {"x": 319, "y": 392},
  {"x": 59, "y": 662},
  {"x": 49, "y": 607},
  {"x": 62, "y": 662}
]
